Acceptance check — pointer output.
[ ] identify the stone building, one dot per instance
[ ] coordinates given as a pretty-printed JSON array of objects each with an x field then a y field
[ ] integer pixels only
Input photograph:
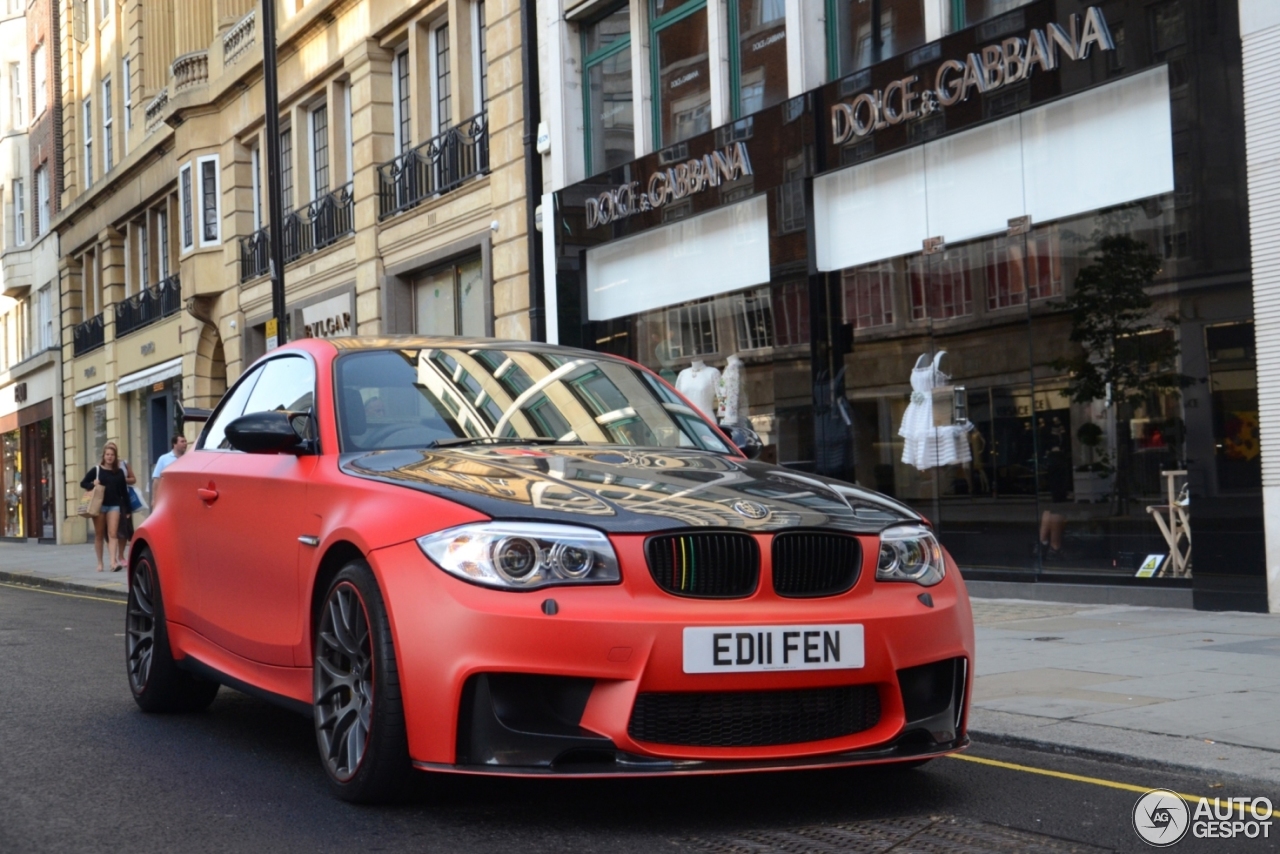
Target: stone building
[
  {"x": 403, "y": 182},
  {"x": 30, "y": 359}
]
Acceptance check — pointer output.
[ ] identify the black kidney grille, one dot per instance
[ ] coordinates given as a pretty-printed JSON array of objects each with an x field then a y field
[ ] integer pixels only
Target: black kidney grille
[
  {"x": 815, "y": 564},
  {"x": 710, "y": 565},
  {"x": 754, "y": 718}
]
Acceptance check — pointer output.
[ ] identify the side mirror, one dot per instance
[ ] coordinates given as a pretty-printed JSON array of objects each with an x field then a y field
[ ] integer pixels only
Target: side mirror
[
  {"x": 278, "y": 432},
  {"x": 746, "y": 440}
]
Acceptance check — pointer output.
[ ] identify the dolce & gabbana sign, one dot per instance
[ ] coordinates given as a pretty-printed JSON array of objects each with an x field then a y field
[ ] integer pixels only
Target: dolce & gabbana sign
[
  {"x": 987, "y": 70},
  {"x": 668, "y": 185}
]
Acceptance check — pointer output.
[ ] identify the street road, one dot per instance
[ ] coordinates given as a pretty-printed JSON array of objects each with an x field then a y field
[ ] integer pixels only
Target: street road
[{"x": 81, "y": 769}]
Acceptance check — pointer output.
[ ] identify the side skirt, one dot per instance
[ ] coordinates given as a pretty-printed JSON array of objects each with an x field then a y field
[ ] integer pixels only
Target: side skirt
[{"x": 195, "y": 666}]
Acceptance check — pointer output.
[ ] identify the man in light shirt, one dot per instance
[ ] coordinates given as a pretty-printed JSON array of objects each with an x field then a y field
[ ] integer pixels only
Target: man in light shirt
[{"x": 179, "y": 444}]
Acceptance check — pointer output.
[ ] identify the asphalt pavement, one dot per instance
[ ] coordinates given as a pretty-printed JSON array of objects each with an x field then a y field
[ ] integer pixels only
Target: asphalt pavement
[{"x": 85, "y": 770}]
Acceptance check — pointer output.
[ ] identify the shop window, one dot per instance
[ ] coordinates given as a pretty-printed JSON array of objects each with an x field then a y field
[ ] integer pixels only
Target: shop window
[
  {"x": 753, "y": 312},
  {"x": 791, "y": 313},
  {"x": 760, "y": 57},
  {"x": 11, "y": 482},
  {"x": 1233, "y": 382},
  {"x": 681, "y": 71},
  {"x": 966, "y": 13},
  {"x": 452, "y": 300},
  {"x": 865, "y": 32},
  {"x": 608, "y": 105},
  {"x": 868, "y": 295},
  {"x": 692, "y": 330}
]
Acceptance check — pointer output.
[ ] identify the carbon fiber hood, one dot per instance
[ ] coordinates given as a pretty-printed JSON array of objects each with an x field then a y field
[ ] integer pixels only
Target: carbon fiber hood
[{"x": 625, "y": 489}]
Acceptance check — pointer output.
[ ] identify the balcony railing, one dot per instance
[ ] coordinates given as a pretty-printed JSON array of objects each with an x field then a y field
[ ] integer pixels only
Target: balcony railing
[
  {"x": 161, "y": 300},
  {"x": 437, "y": 166},
  {"x": 87, "y": 336},
  {"x": 255, "y": 254},
  {"x": 190, "y": 69},
  {"x": 321, "y": 223},
  {"x": 239, "y": 38},
  {"x": 155, "y": 108}
]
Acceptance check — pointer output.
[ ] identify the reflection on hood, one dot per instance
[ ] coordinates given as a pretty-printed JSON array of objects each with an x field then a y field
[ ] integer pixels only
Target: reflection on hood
[{"x": 624, "y": 489}]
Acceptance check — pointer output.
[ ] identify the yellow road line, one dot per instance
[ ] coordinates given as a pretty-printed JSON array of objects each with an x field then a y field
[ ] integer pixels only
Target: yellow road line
[
  {"x": 1078, "y": 778},
  {"x": 35, "y": 589}
]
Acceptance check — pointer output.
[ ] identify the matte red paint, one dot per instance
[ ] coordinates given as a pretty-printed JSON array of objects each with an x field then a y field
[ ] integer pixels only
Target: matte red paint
[{"x": 256, "y": 626}]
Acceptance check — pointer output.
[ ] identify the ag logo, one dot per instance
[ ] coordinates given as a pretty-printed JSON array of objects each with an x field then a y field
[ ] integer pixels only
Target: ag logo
[
  {"x": 751, "y": 510},
  {"x": 1161, "y": 818}
]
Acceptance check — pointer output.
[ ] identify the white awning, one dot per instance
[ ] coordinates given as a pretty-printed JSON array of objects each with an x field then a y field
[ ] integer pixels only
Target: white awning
[
  {"x": 147, "y": 376},
  {"x": 91, "y": 395}
]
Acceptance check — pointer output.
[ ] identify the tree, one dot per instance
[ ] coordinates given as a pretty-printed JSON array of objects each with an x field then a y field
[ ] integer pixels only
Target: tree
[{"x": 1124, "y": 358}]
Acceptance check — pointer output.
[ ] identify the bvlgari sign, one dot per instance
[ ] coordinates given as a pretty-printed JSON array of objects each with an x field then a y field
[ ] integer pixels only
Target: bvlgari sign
[
  {"x": 668, "y": 185},
  {"x": 995, "y": 66}
]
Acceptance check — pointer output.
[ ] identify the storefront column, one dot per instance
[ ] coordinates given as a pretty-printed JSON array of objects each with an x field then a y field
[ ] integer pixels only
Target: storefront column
[{"x": 1260, "y": 35}]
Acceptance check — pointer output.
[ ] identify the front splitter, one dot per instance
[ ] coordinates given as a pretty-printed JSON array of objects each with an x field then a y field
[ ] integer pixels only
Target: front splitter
[{"x": 631, "y": 765}]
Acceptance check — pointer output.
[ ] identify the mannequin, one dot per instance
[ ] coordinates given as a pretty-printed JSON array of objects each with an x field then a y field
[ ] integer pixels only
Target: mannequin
[
  {"x": 731, "y": 394},
  {"x": 698, "y": 383}
]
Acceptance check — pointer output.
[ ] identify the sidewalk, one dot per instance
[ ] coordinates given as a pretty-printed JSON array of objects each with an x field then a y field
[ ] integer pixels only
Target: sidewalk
[{"x": 1182, "y": 688}]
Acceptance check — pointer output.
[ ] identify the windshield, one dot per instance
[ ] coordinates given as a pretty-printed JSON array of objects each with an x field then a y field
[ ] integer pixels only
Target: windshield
[{"x": 391, "y": 399}]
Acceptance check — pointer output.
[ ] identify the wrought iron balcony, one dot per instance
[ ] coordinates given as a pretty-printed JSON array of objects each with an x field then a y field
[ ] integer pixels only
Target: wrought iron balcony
[
  {"x": 319, "y": 224},
  {"x": 323, "y": 222},
  {"x": 87, "y": 336},
  {"x": 436, "y": 166},
  {"x": 255, "y": 254},
  {"x": 139, "y": 310}
]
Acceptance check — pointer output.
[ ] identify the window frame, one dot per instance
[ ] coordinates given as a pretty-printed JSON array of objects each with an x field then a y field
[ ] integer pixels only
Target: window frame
[
  {"x": 126, "y": 82},
  {"x": 88, "y": 142},
  {"x": 734, "y": 26},
  {"x": 249, "y": 380},
  {"x": 255, "y": 166},
  {"x": 43, "y": 211},
  {"x": 39, "y": 80},
  {"x": 589, "y": 61},
  {"x": 480, "y": 54},
  {"x": 108, "y": 121},
  {"x": 201, "y": 161},
  {"x": 321, "y": 106},
  {"x": 437, "y": 123},
  {"x": 658, "y": 23},
  {"x": 186, "y": 201},
  {"x": 19, "y": 213},
  {"x": 17, "y": 89},
  {"x": 401, "y": 101}
]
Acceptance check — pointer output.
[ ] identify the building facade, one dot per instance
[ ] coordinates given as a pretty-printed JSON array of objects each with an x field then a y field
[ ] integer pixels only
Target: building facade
[
  {"x": 403, "y": 178},
  {"x": 989, "y": 258},
  {"x": 30, "y": 358}
]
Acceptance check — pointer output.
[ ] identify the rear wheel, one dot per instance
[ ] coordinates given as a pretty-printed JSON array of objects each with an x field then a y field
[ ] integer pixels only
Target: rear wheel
[
  {"x": 157, "y": 683},
  {"x": 359, "y": 716}
]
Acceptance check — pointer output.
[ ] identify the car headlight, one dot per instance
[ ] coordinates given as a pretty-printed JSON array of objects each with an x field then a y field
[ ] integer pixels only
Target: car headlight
[
  {"x": 910, "y": 553},
  {"x": 523, "y": 555}
]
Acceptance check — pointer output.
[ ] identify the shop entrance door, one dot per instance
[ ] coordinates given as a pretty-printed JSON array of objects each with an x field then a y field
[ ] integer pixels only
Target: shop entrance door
[{"x": 159, "y": 423}]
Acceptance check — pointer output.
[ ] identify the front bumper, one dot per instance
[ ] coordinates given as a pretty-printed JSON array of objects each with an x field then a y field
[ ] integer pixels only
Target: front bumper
[{"x": 459, "y": 647}]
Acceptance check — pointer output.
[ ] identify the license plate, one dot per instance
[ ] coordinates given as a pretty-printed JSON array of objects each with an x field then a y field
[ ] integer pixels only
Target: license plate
[{"x": 752, "y": 649}]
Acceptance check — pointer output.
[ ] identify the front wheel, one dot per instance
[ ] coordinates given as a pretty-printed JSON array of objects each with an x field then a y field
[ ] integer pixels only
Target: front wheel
[
  {"x": 359, "y": 716},
  {"x": 158, "y": 685}
]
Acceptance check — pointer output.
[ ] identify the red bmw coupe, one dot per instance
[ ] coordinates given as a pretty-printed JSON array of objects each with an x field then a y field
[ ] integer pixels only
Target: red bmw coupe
[{"x": 511, "y": 558}]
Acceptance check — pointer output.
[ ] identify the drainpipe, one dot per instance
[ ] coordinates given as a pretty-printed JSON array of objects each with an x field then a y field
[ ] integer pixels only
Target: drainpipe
[{"x": 532, "y": 163}]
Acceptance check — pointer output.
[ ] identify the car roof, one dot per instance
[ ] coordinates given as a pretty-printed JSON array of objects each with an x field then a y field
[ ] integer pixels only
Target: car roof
[{"x": 423, "y": 342}]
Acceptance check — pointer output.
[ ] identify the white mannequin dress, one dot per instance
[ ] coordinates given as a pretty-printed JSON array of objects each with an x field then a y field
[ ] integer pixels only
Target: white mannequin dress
[
  {"x": 924, "y": 445},
  {"x": 698, "y": 383}
]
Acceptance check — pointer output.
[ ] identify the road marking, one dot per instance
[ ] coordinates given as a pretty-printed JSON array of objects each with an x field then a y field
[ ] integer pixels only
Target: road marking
[
  {"x": 60, "y": 593},
  {"x": 1079, "y": 778}
]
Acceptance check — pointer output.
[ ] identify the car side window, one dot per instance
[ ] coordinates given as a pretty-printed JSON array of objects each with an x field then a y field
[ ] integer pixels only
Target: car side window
[
  {"x": 215, "y": 437},
  {"x": 287, "y": 383}
]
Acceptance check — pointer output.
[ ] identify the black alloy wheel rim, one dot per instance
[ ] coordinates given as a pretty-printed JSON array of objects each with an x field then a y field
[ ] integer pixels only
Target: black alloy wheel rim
[
  {"x": 344, "y": 681},
  {"x": 140, "y": 625}
]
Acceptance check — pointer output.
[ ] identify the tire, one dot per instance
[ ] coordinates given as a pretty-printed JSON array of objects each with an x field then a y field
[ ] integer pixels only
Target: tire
[
  {"x": 359, "y": 715},
  {"x": 157, "y": 683}
]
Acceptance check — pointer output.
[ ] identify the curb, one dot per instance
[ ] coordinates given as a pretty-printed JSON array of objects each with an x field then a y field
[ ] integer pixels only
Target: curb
[
  {"x": 27, "y": 579},
  {"x": 1111, "y": 756}
]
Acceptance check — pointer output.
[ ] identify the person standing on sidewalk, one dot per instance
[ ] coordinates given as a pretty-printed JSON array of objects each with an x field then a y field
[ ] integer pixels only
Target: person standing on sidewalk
[
  {"x": 178, "y": 445},
  {"x": 115, "y": 476}
]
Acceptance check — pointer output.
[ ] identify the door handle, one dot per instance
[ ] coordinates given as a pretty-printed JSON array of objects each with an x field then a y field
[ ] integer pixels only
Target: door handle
[{"x": 207, "y": 495}]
